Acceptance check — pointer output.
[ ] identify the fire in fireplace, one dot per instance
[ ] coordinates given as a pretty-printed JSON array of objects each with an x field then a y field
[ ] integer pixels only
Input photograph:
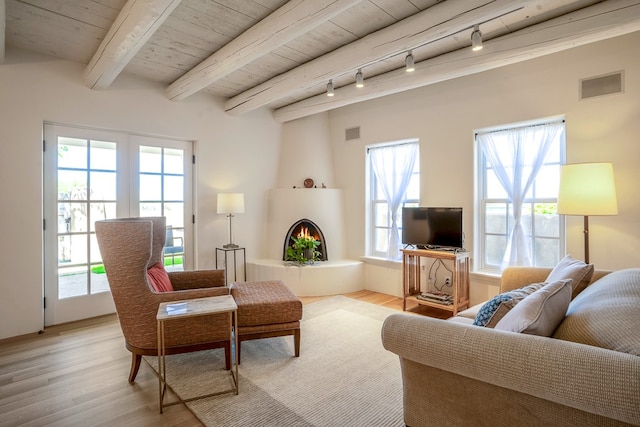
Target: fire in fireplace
[{"x": 305, "y": 227}]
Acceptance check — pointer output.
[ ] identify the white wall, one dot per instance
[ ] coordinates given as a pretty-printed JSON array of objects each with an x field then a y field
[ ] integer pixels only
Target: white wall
[
  {"x": 306, "y": 152},
  {"x": 233, "y": 154},
  {"x": 444, "y": 117}
]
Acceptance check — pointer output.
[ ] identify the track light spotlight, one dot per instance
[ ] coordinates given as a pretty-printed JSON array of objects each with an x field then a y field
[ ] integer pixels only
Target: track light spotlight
[
  {"x": 408, "y": 62},
  {"x": 330, "y": 88},
  {"x": 359, "y": 79},
  {"x": 476, "y": 38}
]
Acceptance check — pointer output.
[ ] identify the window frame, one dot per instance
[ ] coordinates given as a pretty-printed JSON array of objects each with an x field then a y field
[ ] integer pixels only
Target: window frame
[
  {"x": 372, "y": 201},
  {"x": 480, "y": 244}
]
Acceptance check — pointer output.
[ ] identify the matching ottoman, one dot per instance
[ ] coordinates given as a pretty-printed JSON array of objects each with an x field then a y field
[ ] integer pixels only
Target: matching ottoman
[{"x": 267, "y": 309}]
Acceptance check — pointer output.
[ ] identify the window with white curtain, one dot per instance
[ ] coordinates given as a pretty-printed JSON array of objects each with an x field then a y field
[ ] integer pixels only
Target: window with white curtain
[
  {"x": 518, "y": 178},
  {"x": 394, "y": 182}
]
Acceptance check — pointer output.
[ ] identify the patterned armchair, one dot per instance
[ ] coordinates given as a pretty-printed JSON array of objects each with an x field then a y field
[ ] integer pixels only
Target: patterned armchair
[{"x": 129, "y": 247}]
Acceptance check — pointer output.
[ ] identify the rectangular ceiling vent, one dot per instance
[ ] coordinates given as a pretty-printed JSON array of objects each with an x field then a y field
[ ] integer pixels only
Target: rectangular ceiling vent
[
  {"x": 352, "y": 133},
  {"x": 602, "y": 85}
]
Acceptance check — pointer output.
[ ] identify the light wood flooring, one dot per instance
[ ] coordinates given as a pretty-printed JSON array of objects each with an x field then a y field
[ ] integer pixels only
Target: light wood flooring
[{"x": 76, "y": 375}]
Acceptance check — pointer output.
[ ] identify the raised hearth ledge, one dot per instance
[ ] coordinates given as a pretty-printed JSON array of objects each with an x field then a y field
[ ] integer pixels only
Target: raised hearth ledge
[{"x": 318, "y": 279}]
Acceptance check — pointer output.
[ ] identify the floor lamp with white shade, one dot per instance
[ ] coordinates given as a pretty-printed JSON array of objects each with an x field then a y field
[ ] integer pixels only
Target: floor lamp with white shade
[
  {"x": 587, "y": 189},
  {"x": 230, "y": 203}
]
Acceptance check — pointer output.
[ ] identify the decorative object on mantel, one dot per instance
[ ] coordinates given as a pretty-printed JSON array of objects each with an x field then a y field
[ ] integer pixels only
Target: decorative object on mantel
[
  {"x": 230, "y": 203},
  {"x": 303, "y": 250},
  {"x": 309, "y": 183}
]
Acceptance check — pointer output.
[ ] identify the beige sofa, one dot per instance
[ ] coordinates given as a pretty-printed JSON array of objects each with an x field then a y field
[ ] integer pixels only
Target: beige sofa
[{"x": 458, "y": 374}]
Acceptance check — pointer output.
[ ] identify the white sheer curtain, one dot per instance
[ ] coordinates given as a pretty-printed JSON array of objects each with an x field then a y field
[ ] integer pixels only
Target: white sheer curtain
[
  {"x": 393, "y": 167},
  {"x": 516, "y": 156}
]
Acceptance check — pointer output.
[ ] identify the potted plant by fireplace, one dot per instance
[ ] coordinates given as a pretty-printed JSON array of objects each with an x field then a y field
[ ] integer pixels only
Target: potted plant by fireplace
[{"x": 303, "y": 250}]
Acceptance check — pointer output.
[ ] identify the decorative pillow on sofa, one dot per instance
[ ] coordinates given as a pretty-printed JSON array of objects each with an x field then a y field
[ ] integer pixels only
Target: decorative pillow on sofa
[
  {"x": 541, "y": 312},
  {"x": 158, "y": 278},
  {"x": 495, "y": 309},
  {"x": 606, "y": 314},
  {"x": 574, "y": 269}
]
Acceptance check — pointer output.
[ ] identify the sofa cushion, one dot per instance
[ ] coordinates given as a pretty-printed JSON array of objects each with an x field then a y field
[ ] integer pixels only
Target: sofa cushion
[
  {"x": 495, "y": 309},
  {"x": 460, "y": 319},
  {"x": 606, "y": 314},
  {"x": 471, "y": 312},
  {"x": 158, "y": 278},
  {"x": 487, "y": 311},
  {"x": 541, "y": 312},
  {"x": 574, "y": 269}
]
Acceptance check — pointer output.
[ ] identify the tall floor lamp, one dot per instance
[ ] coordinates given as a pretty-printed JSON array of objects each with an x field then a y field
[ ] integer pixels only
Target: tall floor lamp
[
  {"x": 230, "y": 203},
  {"x": 587, "y": 189}
]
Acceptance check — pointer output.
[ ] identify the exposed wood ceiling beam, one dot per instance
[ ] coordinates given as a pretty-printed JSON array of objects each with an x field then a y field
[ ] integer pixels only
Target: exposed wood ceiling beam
[
  {"x": 285, "y": 24},
  {"x": 135, "y": 24},
  {"x": 3, "y": 20},
  {"x": 440, "y": 20},
  {"x": 605, "y": 20}
]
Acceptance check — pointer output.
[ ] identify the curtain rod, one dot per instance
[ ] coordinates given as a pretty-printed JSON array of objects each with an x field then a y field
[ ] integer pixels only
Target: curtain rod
[
  {"x": 520, "y": 127},
  {"x": 393, "y": 144}
]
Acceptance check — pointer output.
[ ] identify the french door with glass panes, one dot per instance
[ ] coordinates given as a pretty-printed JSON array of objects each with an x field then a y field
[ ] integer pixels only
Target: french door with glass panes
[{"x": 91, "y": 175}]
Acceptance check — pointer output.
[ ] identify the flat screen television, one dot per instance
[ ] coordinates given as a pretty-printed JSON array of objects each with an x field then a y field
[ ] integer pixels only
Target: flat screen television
[{"x": 432, "y": 228}]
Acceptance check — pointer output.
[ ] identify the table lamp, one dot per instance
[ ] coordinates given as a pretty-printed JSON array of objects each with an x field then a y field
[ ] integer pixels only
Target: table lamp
[
  {"x": 587, "y": 189},
  {"x": 230, "y": 203}
]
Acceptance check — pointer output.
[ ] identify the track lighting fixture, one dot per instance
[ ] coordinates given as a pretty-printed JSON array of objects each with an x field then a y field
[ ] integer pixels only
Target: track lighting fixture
[
  {"x": 359, "y": 79},
  {"x": 476, "y": 38},
  {"x": 330, "y": 88},
  {"x": 408, "y": 62}
]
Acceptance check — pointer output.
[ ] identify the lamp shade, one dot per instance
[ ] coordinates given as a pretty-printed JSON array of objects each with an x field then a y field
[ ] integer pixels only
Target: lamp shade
[
  {"x": 230, "y": 203},
  {"x": 587, "y": 189}
]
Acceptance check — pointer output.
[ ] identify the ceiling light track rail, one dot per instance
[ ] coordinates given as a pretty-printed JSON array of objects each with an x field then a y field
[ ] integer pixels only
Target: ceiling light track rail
[{"x": 439, "y": 21}]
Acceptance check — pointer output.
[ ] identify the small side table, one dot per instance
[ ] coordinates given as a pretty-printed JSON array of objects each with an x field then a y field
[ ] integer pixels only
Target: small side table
[
  {"x": 192, "y": 308},
  {"x": 226, "y": 251}
]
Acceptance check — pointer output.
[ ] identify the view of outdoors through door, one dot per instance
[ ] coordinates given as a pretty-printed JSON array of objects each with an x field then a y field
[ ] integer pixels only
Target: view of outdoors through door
[
  {"x": 86, "y": 193},
  {"x": 161, "y": 190},
  {"x": 93, "y": 175}
]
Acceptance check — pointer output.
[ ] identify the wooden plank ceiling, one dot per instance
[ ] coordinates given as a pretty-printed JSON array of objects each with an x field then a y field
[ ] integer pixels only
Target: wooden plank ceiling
[{"x": 281, "y": 54}]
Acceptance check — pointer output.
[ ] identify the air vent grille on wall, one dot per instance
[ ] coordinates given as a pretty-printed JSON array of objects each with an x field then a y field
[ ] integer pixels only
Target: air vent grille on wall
[
  {"x": 603, "y": 85},
  {"x": 352, "y": 133}
]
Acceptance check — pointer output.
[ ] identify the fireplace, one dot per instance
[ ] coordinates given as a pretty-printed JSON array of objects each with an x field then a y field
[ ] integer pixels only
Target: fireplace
[
  {"x": 305, "y": 227},
  {"x": 324, "y": 206}
]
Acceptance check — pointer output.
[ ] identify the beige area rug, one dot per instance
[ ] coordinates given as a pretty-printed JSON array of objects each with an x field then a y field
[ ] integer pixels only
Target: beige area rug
[{"x": 343, "y": 377}]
